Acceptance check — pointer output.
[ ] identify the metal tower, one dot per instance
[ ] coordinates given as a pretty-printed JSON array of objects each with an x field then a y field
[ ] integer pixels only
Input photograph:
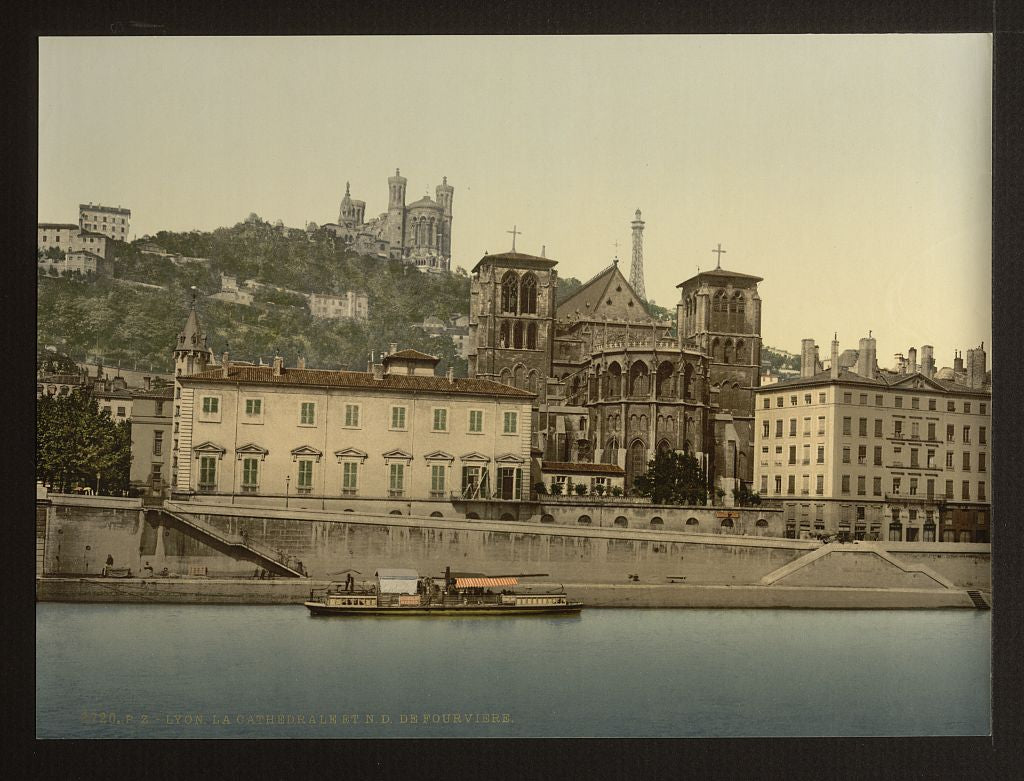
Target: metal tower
[{"x": 636, "y": 269}]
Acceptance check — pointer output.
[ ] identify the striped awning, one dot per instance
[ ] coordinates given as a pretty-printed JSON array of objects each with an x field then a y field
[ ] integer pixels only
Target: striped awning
[{"x": 485, "y": 582}]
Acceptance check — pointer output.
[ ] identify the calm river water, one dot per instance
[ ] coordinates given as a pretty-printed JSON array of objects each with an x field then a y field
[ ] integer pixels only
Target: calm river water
[{"x": 206, "y": 671}]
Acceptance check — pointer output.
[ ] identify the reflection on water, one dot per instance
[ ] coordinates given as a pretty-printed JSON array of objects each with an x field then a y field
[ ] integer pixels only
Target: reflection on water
[{"x": 211, "y": 671}]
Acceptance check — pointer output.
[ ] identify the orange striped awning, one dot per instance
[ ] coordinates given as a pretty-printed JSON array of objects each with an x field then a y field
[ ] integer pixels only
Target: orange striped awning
[{"x": 485, "y": 582}]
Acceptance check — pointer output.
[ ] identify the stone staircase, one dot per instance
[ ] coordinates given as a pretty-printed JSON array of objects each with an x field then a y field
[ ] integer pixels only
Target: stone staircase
[
  {"x": 269, "y": 558},
  {"x": 858, "y": 548},
  {"x": 979, "y": 600}
]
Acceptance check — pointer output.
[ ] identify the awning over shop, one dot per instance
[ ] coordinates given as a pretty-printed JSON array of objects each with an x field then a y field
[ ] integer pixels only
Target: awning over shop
[
  {"x": 485, "y": 582},
  {"x": 397, "y": 581}
]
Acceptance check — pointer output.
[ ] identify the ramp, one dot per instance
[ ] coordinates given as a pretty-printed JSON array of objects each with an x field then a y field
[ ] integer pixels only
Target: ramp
[
  {"x": 269, "y": 558},
  {"x": 854, "y": 549}
]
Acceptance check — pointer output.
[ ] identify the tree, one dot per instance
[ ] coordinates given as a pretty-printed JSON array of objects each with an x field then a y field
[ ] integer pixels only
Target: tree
[
  {"x": 75, "y": 442},
  {"x": 673, "y": 478},
  {"x": 744, "y": 497}
]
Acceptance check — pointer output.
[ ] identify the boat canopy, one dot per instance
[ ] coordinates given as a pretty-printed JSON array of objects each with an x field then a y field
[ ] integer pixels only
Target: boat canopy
[
  {"x": 485, "y": 582},
  {"x": 397, "y": 581}
]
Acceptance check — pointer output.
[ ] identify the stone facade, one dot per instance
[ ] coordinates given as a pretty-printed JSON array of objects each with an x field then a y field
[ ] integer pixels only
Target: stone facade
[
  {"x": 419, "y": 233},
  {"x": 110, "y": 221}
]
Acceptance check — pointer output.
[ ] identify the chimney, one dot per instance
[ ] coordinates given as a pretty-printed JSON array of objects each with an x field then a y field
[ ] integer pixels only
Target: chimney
[
  {"x": 927, "y": 360},
  {"x": 225, "y": 364},
  {"x": 912, "y": 360},
  {"x": 958, "y": 362},
  {"x": 378, "y": 371},
  {"x": 807, "y": 358},
  {"x": 901, "y": 363},
  {"x": 862, "y": 356},
  {"x": 835, "y": 357},
  {"x": 871, "y": 362},
  {"x": 147, "y": 382},
  {"x": 976, "y": 366},
  {"x": 451, "y": 374},
  {"x": 301, "y": 364},
  {"x": 278, "y": 365},
  {"x": 393, "y": 348}
]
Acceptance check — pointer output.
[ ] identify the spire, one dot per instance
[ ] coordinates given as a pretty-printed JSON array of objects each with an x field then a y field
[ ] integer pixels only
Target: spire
[
  {"x": 346, "y": 188},
  {"x": 636, "y": 270}
]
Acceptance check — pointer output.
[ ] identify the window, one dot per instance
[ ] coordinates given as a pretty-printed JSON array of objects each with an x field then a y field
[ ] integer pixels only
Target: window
[
  {"x": 766, "y": 429},
  {"x": 878, "y": 400},
  {"x": 950, "y": 406},
  {"x": 511, "y": 423},
  {"x": 791, "y": 485},
  {"x": 967, "y": 407},
  {"x": 821, "y": 424},
  {"x": 981, "y": 492},
  {"x": 476, "y": 421},
  {"x": 159, "y": 409},
  {"x": 878, "y": 455},
  {"x": 778, "y": 484},
  {"x": 211, "y": 405},
  {"x": 778, "y": 401},
  {"x": 949, "y": 459},
  {"x": 847, "y": 398},
  {"x": 792, "y": 454},
  {"x": 967, "y": 434},
  {"x": 930, "y": 463},
  {"x": 982, "y": 435},
  {"x": 862, "y": 454},
  {"x": 896, "y": 485},
  {"x": 807, "y": 398},
  {"x": 931, "y": 432},
  {"x": 861, "y": 485},
  {"x": 437, "y": 475},
  {"x": 807, "y": 455},
  {"x": 981, "y": 462},
  {"x": 250, "y": 475},
  {"x": 158, "y": 443},
  {"x": 898, "y": 402},
  {"x": 440, "y": 420},
  {"x": 819, "y": 484},
  {"x": 396, "y": 480},
  {"x": 915, "y": 403},
  {"x": 931, "y": 405},
  {"x": 949, "y": 489},
  {"x": 207, "y": 473},
  {"x": 821, "y": 398},
  {"x": 778, "y": 428},
  {"x": 950, "y": 432},
  {"x": 792, "y": 401},
  {"x": 913, "y": 486},
  {"x": 846, "y": 455},
  {"x": 805, "y": 485},
  {"x": 897, "y": 428},
  {"x": 767, "y": 403},
  {"x": 914, "y": 459},
  {"x": 967, "y": 461},
  {"x": 307, "y": 413},
  {"x": 351, "y": 416},
  {"x": 965, "y": 490},
  {"x": 807, "y": 427},
  {"x": 878, "y": 427},
  {"x": 915, "y": 430},
  {"x": 845, "y": 484},
  {"x": 864, "y": 399},
  {"x": 930, "y": 488},
  {"x": 876, "y": 486},
  {"x": 398, "y": 418},
  {"x": 821, "y": 454},
  {"x": 862, "y": 427},
  {"x": 764, "y": 484},
  {"x": 253, "y": 407},
  {"x": 792, "y": 427},
  {"x": 983, "y": 408},
  {"x": 305, "y": 483},
  {"x": 120, "y": 412},
  {"x": 847, "y": 426},
  {"x": 349, "y": 478}
]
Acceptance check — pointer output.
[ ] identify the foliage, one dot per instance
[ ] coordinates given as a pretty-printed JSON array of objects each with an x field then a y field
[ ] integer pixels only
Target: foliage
[
  {"x": 75, "y": 442},
  {"x": 53, "y": 362},
  {"x": 660, "y": 312},
  {"x": 744, "y": 497},
  {"x": 599, "y": 489},
  {"x": 540, "y": 487},
  {"x": 673, "y": 478},
  {"x": 556, "y": 489},
  {"x": 616, "y": 490},
  {"x": 580, "y": 488},
  {"x": 778, "y": 359},
  {"x": 566, "y": 287}
]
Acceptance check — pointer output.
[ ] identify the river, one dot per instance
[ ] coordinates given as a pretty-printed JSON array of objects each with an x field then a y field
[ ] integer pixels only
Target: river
[{"x": 211, "y": 671}]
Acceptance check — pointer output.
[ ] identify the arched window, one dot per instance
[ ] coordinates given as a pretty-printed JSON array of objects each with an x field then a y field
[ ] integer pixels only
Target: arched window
[
  {"x": 657, "y": 522},
  {"x": 505, "y": 376},
  {"x": 583, "y": 520},
  {"x": 395, "y": 512},
  {"x": 636, "y": 462},
  {"x": 761, "y": 527},
  {"x": 611, "y": 449},
  {"x": 547, "y": 518},
  {"x": 472, "y": 517},
  {"x": 531, "y": 336},
  {"x": 741, "y": 351},
  {"x": 665, "y": 381},
  {"x": 692, "y": 522},
  {"x": 717, "y": 302},
  {"x": 727, "y": 352},
  {"x": 613, "y": 381},
  {"x": 518, "y": 375},
  {"x": 509, "y": 292},
  {"x": 528, "y": 295},
  {"x": 727, "y": 523},
  {"x": 664, "y": 446},
  {"x": 688, "y": 381},
  {"x": 716, "y": 350},
  {"x": 517, "y": 335},
  {"x": 638, "y": 374},
  {"x": 507, "y": 517},
  {"x": 531, "y": 381},
  {"x": 505, "y": 335}
]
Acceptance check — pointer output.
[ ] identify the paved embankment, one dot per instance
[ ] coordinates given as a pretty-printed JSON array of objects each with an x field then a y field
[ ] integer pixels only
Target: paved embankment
[{"x": 635, "y": 595}]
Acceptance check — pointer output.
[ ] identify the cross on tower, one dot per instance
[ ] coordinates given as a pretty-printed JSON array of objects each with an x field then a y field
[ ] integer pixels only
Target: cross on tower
[
  {"x": 719, "y": 251},
  {"x": 514, "y": 233}
]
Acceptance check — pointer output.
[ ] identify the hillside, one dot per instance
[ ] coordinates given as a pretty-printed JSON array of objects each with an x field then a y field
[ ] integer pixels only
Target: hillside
[{"x": 127, "y": 322}]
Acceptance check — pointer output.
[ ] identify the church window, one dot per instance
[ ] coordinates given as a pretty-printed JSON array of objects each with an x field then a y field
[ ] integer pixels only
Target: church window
[
  {"x": 531, "y": 336},
  {"x": 528, "y": 295},
  {"x": 517, "y": 335},
  {"x": 504, "y": 337},
  {"x": 509, "y": 292}
]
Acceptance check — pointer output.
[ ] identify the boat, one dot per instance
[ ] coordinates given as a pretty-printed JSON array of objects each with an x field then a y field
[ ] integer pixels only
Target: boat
[{"x": 402, "y": 592}]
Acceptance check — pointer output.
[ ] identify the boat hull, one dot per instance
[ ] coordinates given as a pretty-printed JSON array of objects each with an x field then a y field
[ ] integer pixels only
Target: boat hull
[{"x": 318, "y": 609}]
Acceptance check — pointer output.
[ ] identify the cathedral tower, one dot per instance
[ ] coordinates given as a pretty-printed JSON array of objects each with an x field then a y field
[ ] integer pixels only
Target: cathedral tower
[
  {"x": 396, "y": 212},
  {"x": 191, "y": 354},
  {"x": 636, "y": 270},
  {"x": 444, "y": 193}
]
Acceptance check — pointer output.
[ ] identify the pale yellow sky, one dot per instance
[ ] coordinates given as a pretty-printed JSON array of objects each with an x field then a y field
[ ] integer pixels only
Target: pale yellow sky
[{"x": 853, "y": 173}]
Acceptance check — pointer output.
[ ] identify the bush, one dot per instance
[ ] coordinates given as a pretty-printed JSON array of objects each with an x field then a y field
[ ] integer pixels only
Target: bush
[
  {"x": 540, "y": 487},
  {"x": 581, "y": 489},
  {"x": 599, "y": 489},
  {"x": 616, "y": 490},
  {"x": 556, "y": 489}
]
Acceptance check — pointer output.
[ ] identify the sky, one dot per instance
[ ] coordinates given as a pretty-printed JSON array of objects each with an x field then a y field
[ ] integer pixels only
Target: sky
[{"x": 852, "y": 173}]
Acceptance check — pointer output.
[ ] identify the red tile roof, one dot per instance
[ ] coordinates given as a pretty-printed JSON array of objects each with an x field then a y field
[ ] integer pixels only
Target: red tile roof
[
  {"x": 581, "y": 469},
  {"x": 264, "y": 375}
]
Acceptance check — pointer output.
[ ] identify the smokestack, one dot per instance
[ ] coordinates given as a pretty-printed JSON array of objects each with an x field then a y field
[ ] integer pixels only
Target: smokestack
[
  {"x": 901, "y": 363},
  {"x": 912, "y": 360},
  {"x": 225, "y": 363},
  {"x": 871, "y": 362},
  {"x": 147, "y": 382},
  {"x": 976, "y": 366},
  {"x": 958, "y": 362},
  {"x": 835, "y": 357},
  {"x": 278, "y": 365},
  {"x": 301, "y": 363},
  {"x": 927, "y": 360},
  {"x": 862, "y": 356},
  {"x": 807, "y": 357}
]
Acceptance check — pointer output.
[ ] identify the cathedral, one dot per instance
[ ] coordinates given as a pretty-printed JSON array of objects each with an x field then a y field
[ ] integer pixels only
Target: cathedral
[
  {"x": 419, "y": 233},
  {"x": 614, "y": 385}
]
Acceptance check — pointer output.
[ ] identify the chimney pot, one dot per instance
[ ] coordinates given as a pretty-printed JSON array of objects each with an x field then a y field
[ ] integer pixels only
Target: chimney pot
[
  {"x": 278, "y": 365},
  {"x": 301, "y": 364},
  {"x": 394, "y": 348}
]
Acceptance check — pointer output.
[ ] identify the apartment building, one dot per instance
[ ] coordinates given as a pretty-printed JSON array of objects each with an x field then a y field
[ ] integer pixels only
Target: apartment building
[{"x": 110, "y": 221}]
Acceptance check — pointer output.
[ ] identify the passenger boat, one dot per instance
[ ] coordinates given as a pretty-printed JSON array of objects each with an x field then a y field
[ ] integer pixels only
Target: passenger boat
[{"x": 402, "y": 592}]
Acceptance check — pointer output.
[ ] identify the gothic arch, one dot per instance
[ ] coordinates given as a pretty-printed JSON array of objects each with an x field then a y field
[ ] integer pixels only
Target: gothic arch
[
  {"x": 505, "y": 376},
  {"x": 517, "y": 335},
  {"x": 505, "y": 335},
  {"x": 531, "y": 381},
  {"x": 518, "y": 375},
  {"x": 716, "y": 350},
  {"x": 741, "y": 351},
  {"x": 665, "y": 380},
  {"x": 636, "y": 461},
  {"x": 531, "y": 336},
  {"x": 664, "y": 446},
  {"x": 638, "y": 378},
  {"x": 509, "y": 292},
  {"x": 688, "y": 381},
  {"x": 727, "y": 352},
  {"x": 612, "y": 380},
  {"x": 528, "y": 295}
]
